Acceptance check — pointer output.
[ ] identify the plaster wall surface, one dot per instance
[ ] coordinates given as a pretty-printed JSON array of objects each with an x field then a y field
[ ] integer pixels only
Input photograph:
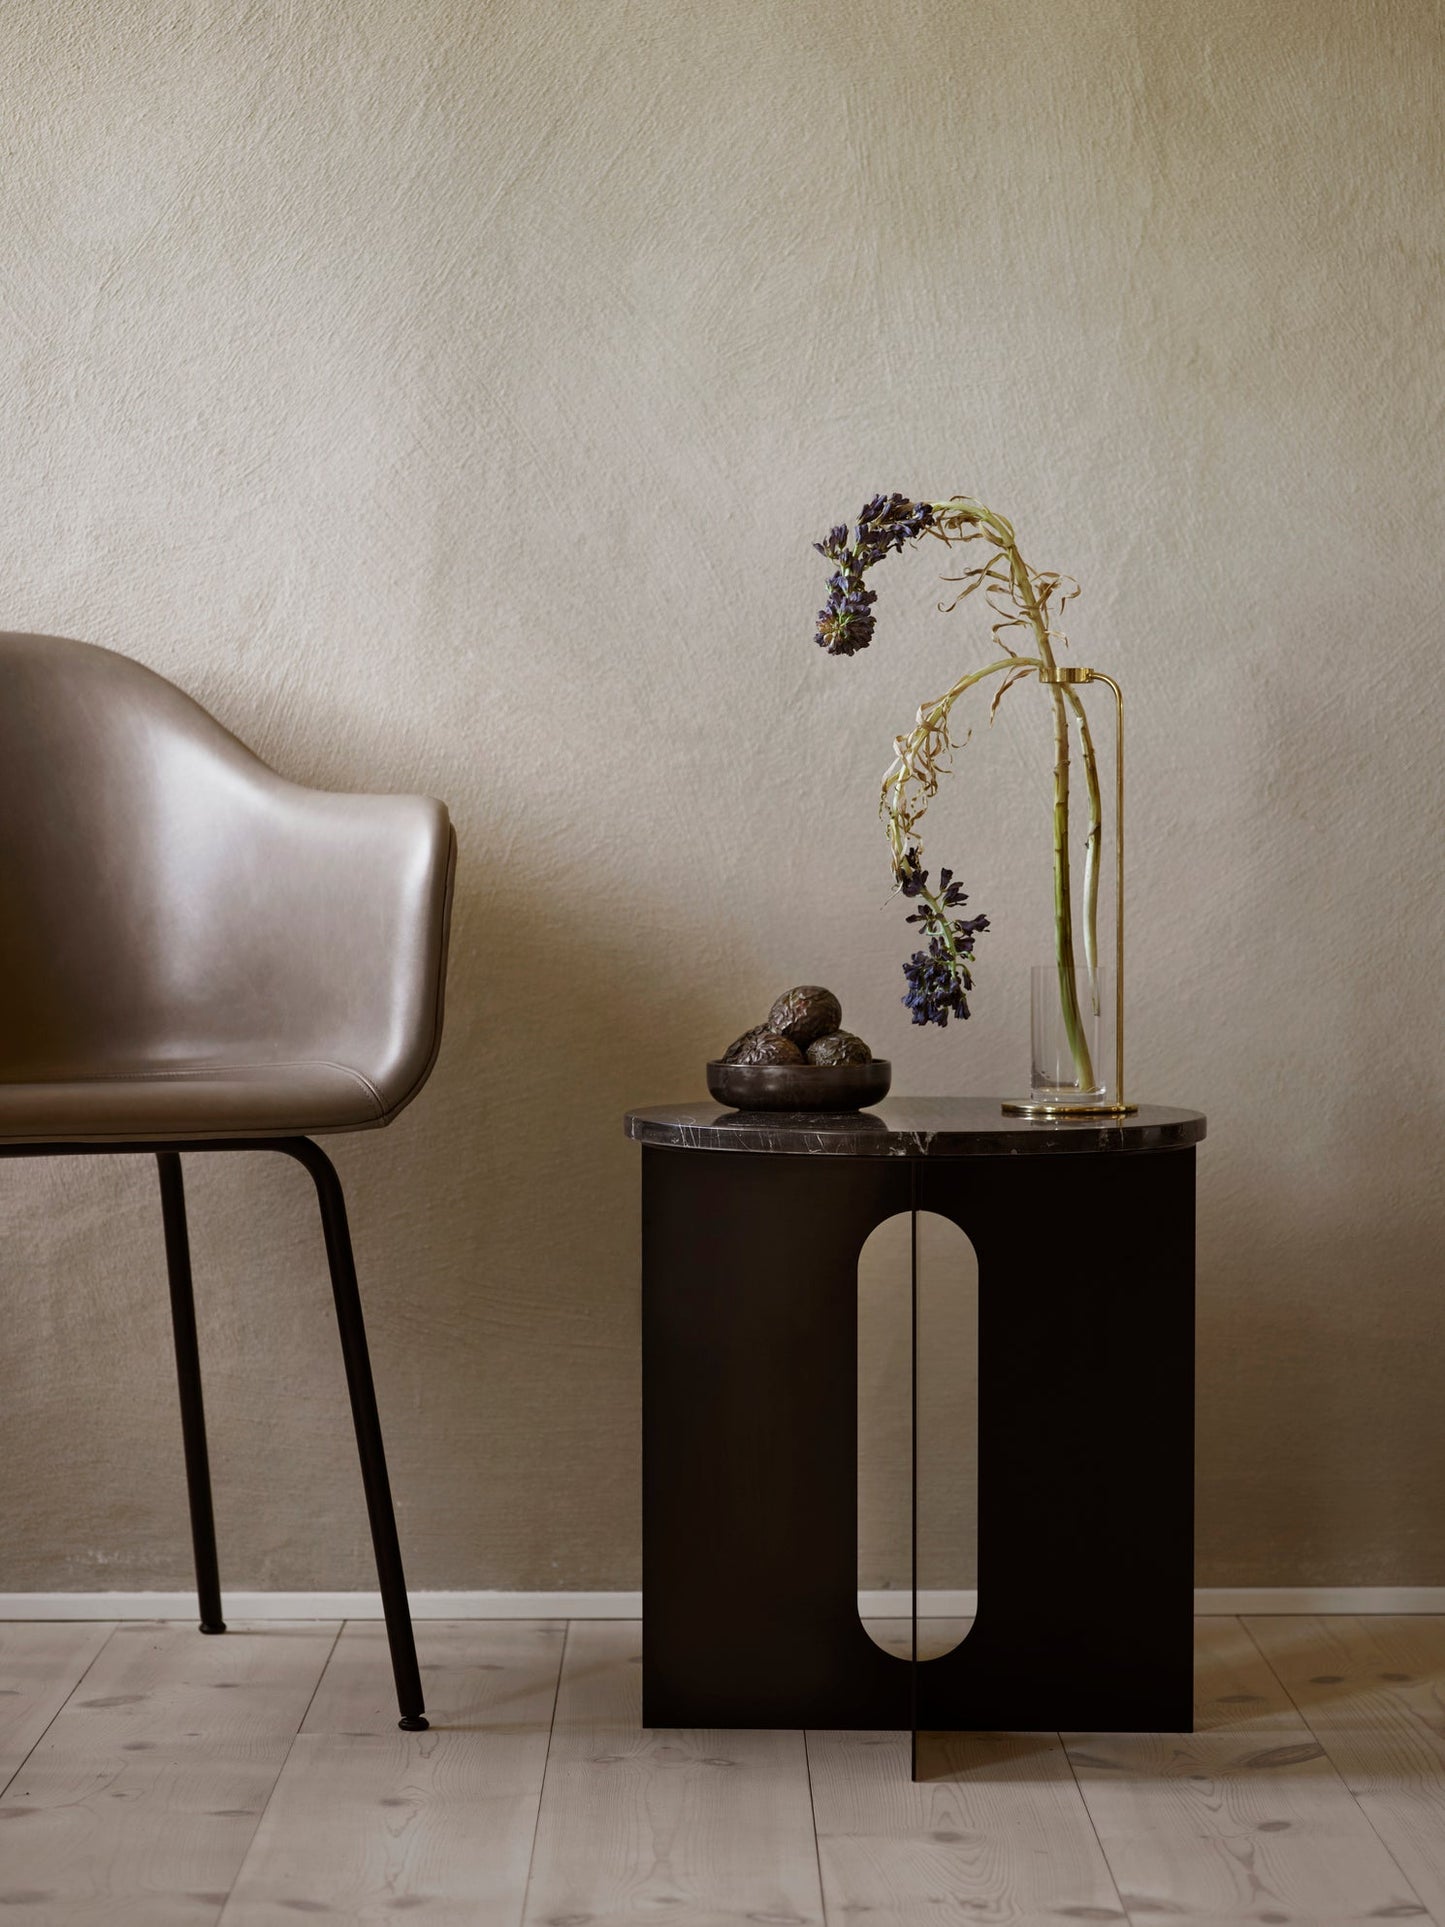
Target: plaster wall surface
[{"x": 447, "y": 394}]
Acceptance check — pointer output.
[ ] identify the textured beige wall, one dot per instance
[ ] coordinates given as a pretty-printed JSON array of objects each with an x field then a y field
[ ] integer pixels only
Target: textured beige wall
[{"x": 446, "y": 394}]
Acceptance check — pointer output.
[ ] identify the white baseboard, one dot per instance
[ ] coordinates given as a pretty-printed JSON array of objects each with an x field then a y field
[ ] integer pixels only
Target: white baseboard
[
  {"x": 1353, "y": 1600},
  {"x": 628, "y": 1605}
]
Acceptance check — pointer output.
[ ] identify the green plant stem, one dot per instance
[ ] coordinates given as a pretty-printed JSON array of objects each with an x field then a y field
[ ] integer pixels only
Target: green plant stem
[
  {"x": 1063, "y": 896},
  {"x": 1093, "y": 843},
  {"x": 942, "y": 926}
]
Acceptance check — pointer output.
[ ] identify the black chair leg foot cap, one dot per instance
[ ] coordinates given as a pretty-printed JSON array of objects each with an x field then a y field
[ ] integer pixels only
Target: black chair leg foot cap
[
  {"x": 218, "y": 1627},
  {"x": 414, "y": 1723}
]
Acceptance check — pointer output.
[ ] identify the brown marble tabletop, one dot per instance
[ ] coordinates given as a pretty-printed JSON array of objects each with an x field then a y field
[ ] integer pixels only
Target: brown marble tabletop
[{"x": 910, "y": 1127}]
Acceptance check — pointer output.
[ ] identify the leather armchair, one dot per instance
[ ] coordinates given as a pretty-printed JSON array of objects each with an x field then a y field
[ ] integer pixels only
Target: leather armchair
[{"x": 196, "y": 954}]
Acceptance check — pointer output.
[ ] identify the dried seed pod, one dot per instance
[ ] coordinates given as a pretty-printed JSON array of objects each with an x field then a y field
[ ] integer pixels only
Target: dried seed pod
[
  {"x": 735, "y": 1049},
  {"x": 763, "y": 1046},
  {"x": 839, "y": 1047},
  {"x": 805, "y": 1012}
]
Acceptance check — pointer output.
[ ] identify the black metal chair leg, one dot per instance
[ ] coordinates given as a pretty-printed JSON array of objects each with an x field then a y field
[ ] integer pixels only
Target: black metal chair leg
[
  {"x": 188, "y": 1372},
  {"x": 368, "y": 1431}
]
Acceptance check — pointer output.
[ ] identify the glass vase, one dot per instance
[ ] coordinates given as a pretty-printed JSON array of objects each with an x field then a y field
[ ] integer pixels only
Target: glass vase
[{"x": 1071, "y": 1026}]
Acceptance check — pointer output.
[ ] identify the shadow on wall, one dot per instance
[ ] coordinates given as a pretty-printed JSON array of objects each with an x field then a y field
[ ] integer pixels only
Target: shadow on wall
[
  {"x": 519, "y": 1328},
  {"x": 495, "y": 1226}
]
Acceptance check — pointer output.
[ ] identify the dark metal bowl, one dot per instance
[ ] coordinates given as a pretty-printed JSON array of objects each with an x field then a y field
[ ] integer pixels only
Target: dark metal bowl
[{"x": 800, "y": 1087}]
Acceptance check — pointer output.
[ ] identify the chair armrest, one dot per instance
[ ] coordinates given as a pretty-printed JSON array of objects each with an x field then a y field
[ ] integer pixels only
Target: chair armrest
[{"x": 327, "y": 928}]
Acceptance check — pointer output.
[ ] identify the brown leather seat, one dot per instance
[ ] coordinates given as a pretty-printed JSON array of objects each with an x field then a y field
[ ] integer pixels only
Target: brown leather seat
[
  {"x": 196, "y": 955},
  {"x": 190, "y": 945}
]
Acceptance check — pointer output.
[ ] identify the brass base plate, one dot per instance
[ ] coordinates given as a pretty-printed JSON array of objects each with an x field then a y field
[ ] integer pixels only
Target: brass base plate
[{"x": 1020, "y": 1107}]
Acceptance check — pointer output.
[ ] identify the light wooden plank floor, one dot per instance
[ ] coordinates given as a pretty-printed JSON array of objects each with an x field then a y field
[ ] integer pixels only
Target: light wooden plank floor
[
  {"x": 365, "y": 1818},
  {"x": 149, "y": 1775},
  {"x": 1244, "y": 1819},
  {"x": 40, "y": 1667},
  {"x": 683, "y": 1823}
]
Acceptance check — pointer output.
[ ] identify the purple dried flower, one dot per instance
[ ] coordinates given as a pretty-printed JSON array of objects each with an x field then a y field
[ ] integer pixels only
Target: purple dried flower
[
  {"x": 912, "y": 878},
  {"x": 939, "y": 978},
  {"x": 846, "y": 622}
]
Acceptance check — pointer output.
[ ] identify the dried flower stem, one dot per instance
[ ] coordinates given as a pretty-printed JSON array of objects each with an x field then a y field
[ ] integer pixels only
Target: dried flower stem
[
  {"x": 912, "y": 781},
  {"x": 1020, "y": 598}
]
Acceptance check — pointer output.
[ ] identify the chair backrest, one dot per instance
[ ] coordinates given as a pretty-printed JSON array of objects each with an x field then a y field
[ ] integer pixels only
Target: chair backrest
[{"x": 164, "y": 895}]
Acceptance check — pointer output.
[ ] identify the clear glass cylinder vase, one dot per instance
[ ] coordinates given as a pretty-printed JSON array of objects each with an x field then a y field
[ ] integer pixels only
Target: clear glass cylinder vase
[{"x": 1071, "y": 1027}]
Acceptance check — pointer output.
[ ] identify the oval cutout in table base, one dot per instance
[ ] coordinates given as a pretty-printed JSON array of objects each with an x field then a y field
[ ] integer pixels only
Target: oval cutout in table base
[{"x": 947, "y": 1434}]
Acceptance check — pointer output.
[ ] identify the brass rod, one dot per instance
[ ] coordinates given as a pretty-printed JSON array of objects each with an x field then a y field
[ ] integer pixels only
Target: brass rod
[{"x": 1099, "y": 676}]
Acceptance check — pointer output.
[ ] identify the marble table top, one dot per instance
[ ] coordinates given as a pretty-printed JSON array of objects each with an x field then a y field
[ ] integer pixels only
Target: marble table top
[{"x": 910, "y": 1127}]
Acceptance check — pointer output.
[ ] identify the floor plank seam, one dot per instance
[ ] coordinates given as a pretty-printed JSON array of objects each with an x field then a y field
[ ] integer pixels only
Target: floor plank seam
[
  {"x": 817, "y": 1848},
  {"x": 1108, "y": 1864},
  {"x": 306, "y": 1710},
  {"x": 1427, "y": 1918},
  {"x": 271, "y": 1792},
  {"x": 40, "y": 1737},
  {"x": 546, "y": 1769}
]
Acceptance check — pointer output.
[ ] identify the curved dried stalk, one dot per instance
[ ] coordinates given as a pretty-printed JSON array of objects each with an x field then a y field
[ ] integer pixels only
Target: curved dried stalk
[
  {"x": 1020, "y": 598},
  {"x": 920, "y": 758}
]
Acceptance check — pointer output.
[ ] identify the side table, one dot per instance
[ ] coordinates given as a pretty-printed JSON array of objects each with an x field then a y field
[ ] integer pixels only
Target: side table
[{"x": 752, "y": 1224}]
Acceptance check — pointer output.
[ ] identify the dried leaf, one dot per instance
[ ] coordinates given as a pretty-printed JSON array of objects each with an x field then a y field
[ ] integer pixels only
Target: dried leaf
[{"x": 1004, "y": 687}]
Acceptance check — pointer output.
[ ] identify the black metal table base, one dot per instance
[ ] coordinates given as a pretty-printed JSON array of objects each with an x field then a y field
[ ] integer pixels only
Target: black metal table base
[
  {"x": 1085, "y": 1442},
  {"x": 355, "y": 1355}
]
